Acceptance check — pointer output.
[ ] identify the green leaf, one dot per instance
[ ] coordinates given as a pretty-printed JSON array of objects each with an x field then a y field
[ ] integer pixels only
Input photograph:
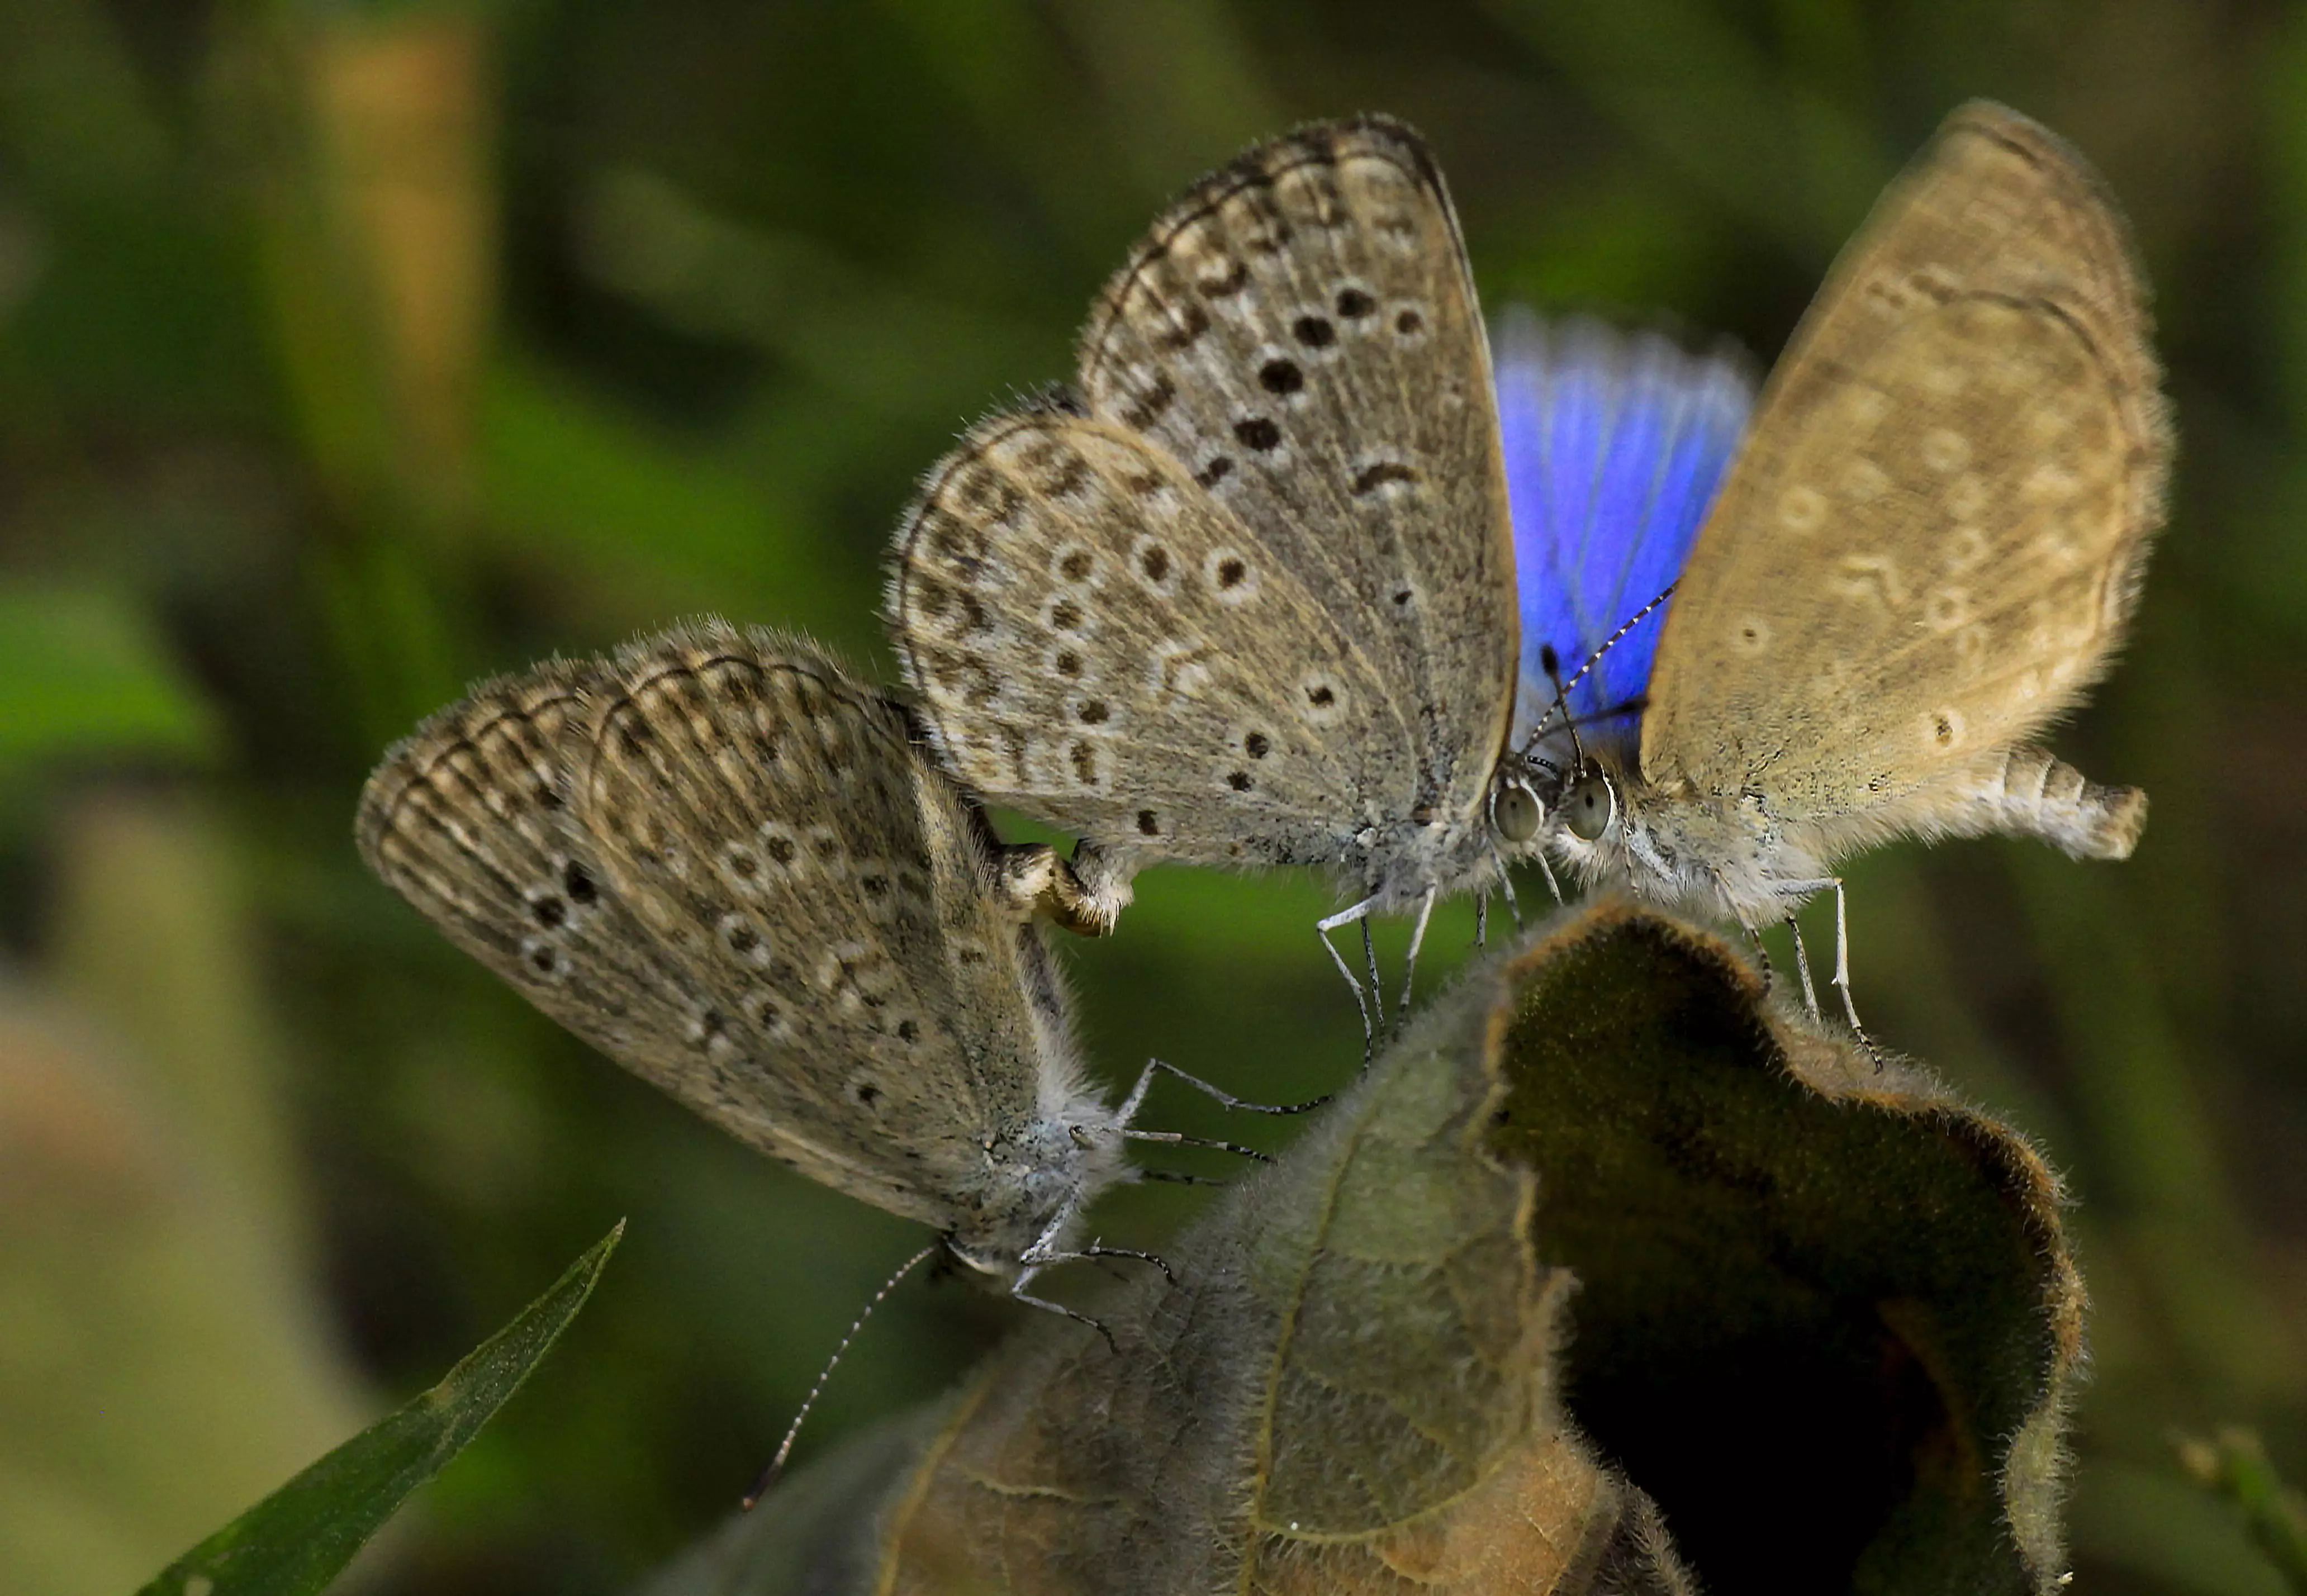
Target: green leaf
[
  {"x": 299, "y": 1538},
  {"x": 82, "y": 672}
]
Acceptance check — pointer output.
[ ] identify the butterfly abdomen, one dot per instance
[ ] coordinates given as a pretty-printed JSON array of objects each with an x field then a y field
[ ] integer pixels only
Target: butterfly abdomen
[{"x": 2027, "y": 793}]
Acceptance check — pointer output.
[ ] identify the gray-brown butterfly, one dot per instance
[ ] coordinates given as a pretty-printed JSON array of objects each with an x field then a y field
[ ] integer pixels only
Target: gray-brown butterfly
[
  {"x": 731, "y": 869},
  {"x": 1925, "y": 550},
  {"x": 1250, "y": 600}
]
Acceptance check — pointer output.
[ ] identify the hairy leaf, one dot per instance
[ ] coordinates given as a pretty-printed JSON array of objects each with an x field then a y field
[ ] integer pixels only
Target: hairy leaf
[{"x": 1609, "y": 1265}]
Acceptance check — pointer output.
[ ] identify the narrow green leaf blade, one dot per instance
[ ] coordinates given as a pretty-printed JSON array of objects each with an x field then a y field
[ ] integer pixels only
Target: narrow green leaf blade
[{"x": 299, "y": 1538}]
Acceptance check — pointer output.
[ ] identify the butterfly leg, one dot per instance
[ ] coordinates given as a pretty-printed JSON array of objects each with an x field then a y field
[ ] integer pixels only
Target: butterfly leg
[
  {"x": 1762, "y": 960},
  {"x": 1506, "y": 891},
  {"x": 1179, "y": 1138},
  {"x": 1482, "y": 918},
  {"x": 1802, "y": 966},
  {"x": 1553, "y": 885},
  {"x": 1369, "y": 963},
  {"x": 1018, "y": 1292},
  {"x": 1180, "y": 1178},
  {"x": 1360, "y": 912},
  {"x": 1154, "y": 1067},
  {"x": 1417, "y": 941},
  {"x": 1099, "y": 1250},
  {"x": 1840, "y": 980},
  {"x": 1046, "y": 1253}
]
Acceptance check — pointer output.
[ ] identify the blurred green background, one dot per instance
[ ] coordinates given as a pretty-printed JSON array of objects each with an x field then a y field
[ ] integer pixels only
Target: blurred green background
[{"x": 349, "y": 352}]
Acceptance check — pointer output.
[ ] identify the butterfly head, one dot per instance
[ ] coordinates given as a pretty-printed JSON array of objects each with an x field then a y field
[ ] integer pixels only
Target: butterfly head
[
  {"x": 1589, "y": 804},
  {"x": 1517, "y": 812}
]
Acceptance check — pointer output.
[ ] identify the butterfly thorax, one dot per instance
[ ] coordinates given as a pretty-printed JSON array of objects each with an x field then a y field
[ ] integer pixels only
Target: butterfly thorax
[
  {"x": 1036, "y": 1175},
  {"x": 1702, "y": 853},
  {"x": 1398, "y": 862}
]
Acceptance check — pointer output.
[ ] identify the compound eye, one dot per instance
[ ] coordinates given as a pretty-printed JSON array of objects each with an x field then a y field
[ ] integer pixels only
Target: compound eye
[
  {"x": 1516, "y": 812},
  {"x": 1591, "y": 805}
]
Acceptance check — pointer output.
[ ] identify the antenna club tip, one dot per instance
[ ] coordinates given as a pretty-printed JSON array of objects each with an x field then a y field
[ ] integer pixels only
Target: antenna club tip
[
  {"x": 761, "y": 1488},
  {"x": 1549, "y": 660}
]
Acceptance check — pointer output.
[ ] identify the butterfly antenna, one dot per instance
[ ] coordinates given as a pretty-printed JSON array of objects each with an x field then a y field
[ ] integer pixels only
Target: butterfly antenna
[
  {"x": 1552, "y": 662},
  {"x": 762, "y": 1486}
]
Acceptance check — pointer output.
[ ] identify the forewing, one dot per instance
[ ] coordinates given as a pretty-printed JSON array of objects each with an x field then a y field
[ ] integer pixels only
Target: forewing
[
  {"x": 773, "y": 827},
  {"x": 471, "y": 820},
  {"x": 1099, "y": 643},
  {"x": 1615, "y": 444},
  {"x": 1301, "y": 331},
  {"x": 1934, "y": 533}
]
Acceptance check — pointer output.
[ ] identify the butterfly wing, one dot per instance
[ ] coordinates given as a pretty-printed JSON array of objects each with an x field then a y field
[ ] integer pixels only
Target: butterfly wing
[
  {"x": 480, "y": 820},
  {"x": 776, "y": 830},
  {"x": 1615, "y": 446},
  {"x": 1101, "y": 644},
  {"x": 1301, "y": 331},
  {"x": 1935, "y": 531}
]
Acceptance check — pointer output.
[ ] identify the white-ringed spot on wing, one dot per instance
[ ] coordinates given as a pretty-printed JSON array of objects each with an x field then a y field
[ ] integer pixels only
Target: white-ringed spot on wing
[
  {"x": 1078, "y": 566},
  {"x": 1090, "y": 765},
  {"x": 1946, "y": 378},
  {"x": 1870, "y": 580},
  {"x": 1382, "y": 479},
  {"x": 708, "y": 1033},
  {"x": 1965, "y": 498},
  {"x": 1231, "y": 576},
  {"x": 1866, "y": 408},
  {"x": 1750, "y": 635},
  {"x": 821, "y": 847},
  {"x": 1068, "y": 663},
  {"x": 877, "y": 889},
  {"x": 1180, "y": 669},
  {"x": 1864, "y": 482},
  {"x": 1802, "y": 509},
  {"x": 1945, "y": 450},
  {"x": 1151, "y": 492},
  {"x": 1154, "y": 565},
  {"x": 1312, "y": 334},
  {"x": 1321, "y": 699},
  {"x": 1946, "y": 608},
  {"x": 2048, "y": 421},
  {"x": 1963, "y": 550},
  {"x": 2050, "y": 483},
  {"x": 742, "y": 868},
  {"x": 1944, "y": 729},
  {"x": 543, "y": 962},
  {"x": 2056, "y": 546},
  {"x": 1281, "y": 375},
  {"x": 1354, "y": 305},
  {"x": 1067, "y": 616},
  {"x": 742, "y": 940},
  {"x": 1410, "y": 322}
]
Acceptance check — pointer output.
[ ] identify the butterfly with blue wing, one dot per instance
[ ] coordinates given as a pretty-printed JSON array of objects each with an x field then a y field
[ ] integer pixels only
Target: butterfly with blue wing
[{"x": 1925, "y": 550}]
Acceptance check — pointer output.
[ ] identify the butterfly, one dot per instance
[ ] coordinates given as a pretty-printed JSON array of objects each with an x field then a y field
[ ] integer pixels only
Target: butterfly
[
  {"x": 1246, "y": 598},
  {"x": 1926, "y": 549},
  {"x": 728, "y": 866}
]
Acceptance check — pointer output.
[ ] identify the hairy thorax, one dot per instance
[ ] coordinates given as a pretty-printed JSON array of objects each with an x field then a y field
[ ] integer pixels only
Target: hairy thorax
[
  {"x": 1699, "y": 852},
  {"x": 1037, "y": 1175},
  {"x": 1398, "y": 862}
]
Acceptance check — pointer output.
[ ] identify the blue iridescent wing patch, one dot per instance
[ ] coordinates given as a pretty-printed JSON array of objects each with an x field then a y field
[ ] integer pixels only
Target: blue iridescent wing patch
[{"x": 1615, "y": 445}]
